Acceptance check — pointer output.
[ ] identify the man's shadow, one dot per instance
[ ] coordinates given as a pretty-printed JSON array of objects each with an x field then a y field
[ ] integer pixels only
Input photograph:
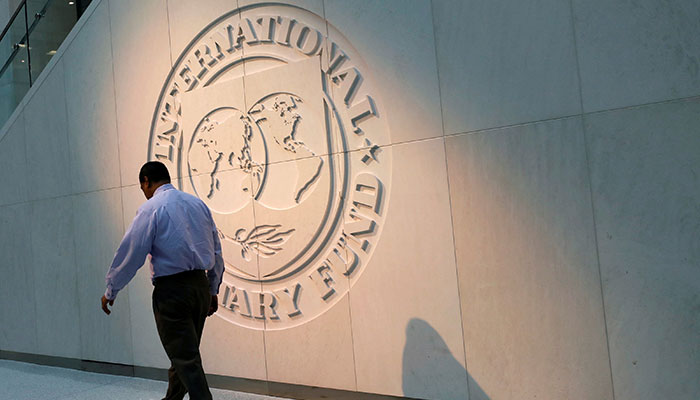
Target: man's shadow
[{"x": 430, "y": 371}]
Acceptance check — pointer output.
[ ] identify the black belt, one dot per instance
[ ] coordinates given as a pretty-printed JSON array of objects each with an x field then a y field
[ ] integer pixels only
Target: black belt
[{"x": 185, "y": 276}]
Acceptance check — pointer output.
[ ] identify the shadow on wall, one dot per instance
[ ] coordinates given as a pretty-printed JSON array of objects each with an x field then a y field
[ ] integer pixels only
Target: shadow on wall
[{"x": 430, "y": 371}]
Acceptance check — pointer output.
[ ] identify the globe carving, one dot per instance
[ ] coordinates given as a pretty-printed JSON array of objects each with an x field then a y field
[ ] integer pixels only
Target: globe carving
[{"x": 226, "y": 160}]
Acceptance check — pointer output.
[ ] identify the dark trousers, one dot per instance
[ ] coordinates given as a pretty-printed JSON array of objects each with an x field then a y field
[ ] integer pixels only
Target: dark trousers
[{"x": 180, "y": 306}]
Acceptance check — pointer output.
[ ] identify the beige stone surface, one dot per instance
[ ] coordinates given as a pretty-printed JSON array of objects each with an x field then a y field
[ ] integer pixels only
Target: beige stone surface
[
  {"x": 290, "y": 113},
  {"x": 411, "y": 278},
  {"x": 98, "y": 231},
  {"x": 141, "y": 49},
  {"x": 17, "y": 302},
  {"x": 318, "y": 353},
  {"x": 636, "y": 52},
  {"x": 231, "y": 350},
  {"x": 55, "y": 277},
  {"x": 505, "y": 63},
  {"x": 13, "y": 164},
  {"x": 187, "y": 18},
  {"x": 528, "y": 274},
  {"x": 307, "y": 218},
  {"x": 644, "y": 164},
  {"x": 90, "y": 105},
  {"x": 493, "y": 259},
  {"x": 48, "y": 156},
  {"x": 228, "y": 348},
  {"x": 397, "y": 52}
]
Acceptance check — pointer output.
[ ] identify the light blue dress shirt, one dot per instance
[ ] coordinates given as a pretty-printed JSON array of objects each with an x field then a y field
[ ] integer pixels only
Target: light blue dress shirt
[{"x": 178, "y": 231}]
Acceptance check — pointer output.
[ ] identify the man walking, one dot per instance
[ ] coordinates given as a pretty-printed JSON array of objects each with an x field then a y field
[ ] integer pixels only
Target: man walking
[{"x": 178, "y": 231}]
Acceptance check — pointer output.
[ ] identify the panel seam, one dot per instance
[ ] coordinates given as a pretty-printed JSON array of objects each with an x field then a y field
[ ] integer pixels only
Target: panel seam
[
  {"x": 449, "y": 198},
  {"x": 333, "y": 154},
  {"x": 119, "y": 158},
  {"x": 30, "y": 211},
  {"x": 590, "y": 193},
  {"x": 170, "y": 42},
  {"x": 72, "y": 196},
  {"x": 533, "y": 122},
  {"x": 114, "y": 89},
  {"x": 257, "y": 257}
]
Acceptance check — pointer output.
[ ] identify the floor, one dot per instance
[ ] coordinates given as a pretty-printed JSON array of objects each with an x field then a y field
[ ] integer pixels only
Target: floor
[{"x": 22, "y": 381}]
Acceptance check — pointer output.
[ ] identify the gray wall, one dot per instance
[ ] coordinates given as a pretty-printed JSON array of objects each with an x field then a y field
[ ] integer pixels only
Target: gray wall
[{"x": 542, "y": 231}]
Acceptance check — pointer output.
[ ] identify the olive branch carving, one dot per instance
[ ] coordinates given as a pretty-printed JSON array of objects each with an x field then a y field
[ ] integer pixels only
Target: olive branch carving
[{"x": 264, "y": 240}]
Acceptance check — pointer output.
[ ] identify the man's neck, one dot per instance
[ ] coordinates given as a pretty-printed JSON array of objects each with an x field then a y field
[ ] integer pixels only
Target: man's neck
[{"x": 158, "y": 185}]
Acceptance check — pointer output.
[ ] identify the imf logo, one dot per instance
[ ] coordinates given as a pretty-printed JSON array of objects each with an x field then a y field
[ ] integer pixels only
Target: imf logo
[{"x": 269, "y": 118}]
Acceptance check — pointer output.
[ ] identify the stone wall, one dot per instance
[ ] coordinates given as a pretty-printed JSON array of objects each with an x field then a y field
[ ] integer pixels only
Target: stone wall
[{"x": 506, "y": 205}]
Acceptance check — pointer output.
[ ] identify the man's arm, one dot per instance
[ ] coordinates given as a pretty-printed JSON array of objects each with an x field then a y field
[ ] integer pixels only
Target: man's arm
[
  {"x": 130, "y": 255},
  {"x": 215, "y": 274}
]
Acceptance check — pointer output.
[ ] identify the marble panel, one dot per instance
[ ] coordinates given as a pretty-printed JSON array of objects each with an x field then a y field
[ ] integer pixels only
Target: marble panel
[
  {"x": 197, "y": 71},
  {"x": 644, "y": 172},
  {"x": 271, "y": 46},
  {"x": 146, "y": 345},
  {"x": 13, "y": 165},
  {"x": 395, "y": 54},
  {"x": 504, "y": 63},
  {"x": 216, "y": 151},
  {"x": 187, "y": 18},
  {"x": 230, "y": 221},
  {"x": 286, "y": 91},
  {"x": 325, "y": 345},
  {"x": 288, "y": 106},
  {"x": 148, "y": 351},
  {"x": 232, "y": 350},
  {"x": 46, "y": 139},
  {"x": 405, "y": 305},
  {"x": 55, "y": 277},
  {"x": 141, "y": 50},
  {"x": 637, "y": 52},
  {"x": 92, "y": 133},
  {"x": 99, "y": 228},
  {"x": 17, "y": 301},
  {"x": 228, "y": 348},
  {"x": 528, "y": 274},
  {"x": 217, "y": 137},
  {"x": 301, "y": 205},
  {"x": 331, "y": 368}
]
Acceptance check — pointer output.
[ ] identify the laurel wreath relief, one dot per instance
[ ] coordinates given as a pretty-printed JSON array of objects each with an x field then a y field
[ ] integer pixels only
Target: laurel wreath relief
[{"x": 264, "y": 240}]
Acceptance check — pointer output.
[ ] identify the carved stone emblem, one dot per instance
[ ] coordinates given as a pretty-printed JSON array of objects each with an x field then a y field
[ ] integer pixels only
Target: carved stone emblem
[{"x": 269, "y": 117}]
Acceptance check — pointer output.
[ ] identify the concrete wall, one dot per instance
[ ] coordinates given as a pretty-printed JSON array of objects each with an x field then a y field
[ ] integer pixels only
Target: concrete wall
[{"x": 538, "y": 236}]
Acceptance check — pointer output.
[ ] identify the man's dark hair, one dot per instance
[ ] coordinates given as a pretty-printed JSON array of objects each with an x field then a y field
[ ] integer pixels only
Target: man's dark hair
[{"x": 156, "y": 172}]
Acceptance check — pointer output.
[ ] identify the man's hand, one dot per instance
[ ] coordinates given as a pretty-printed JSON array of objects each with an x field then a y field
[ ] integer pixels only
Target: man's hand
[
  {"x": 104, "y": 305},
  {"x": 213, "y": 306}
]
